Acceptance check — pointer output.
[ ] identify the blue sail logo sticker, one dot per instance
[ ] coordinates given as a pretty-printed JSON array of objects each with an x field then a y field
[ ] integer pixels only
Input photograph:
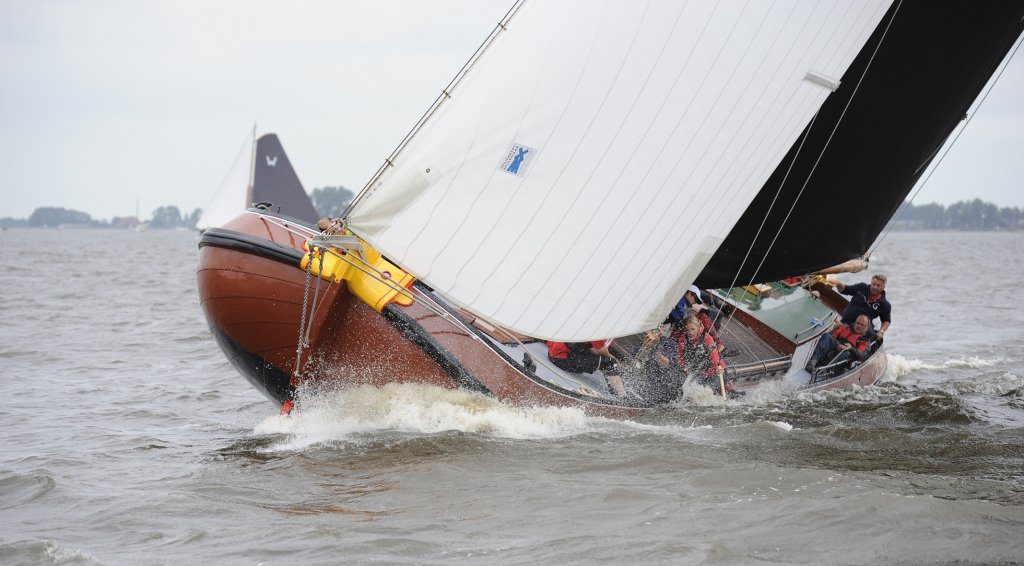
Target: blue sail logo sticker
[{"x": 517, "y": 159}]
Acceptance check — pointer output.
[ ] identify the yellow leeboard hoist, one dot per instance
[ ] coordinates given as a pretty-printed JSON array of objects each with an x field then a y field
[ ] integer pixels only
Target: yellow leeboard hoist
[{"x": 366, "y": 273}]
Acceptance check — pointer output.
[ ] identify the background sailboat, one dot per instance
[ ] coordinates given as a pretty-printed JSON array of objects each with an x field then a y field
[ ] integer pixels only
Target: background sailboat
[{"x": 260, "y": 173}]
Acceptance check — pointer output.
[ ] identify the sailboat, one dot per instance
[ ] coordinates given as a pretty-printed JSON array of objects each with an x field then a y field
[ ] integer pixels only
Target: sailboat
[
  {"x": 261, "y": 173},
  {"x": 590, "y": 162}
]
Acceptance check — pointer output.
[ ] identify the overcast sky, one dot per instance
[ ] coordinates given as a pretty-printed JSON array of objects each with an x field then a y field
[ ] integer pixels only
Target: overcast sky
[{"x": 104, "y": 103}]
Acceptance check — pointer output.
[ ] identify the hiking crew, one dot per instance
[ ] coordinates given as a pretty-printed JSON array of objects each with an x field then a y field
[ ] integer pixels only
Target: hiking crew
[{"x": 588, "y": 357}]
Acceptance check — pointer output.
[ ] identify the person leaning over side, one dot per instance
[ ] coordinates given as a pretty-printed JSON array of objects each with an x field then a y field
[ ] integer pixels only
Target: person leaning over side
[
  {"x": 867, "y": 299},
  {"x": 588, "y": 357}
]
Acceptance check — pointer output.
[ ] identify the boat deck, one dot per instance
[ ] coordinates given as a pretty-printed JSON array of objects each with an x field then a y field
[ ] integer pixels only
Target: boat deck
[{"x": 748, "y": 346}]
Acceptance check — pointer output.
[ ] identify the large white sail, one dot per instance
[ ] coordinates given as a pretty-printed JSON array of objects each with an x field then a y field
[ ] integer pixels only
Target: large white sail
[{"x": 594, "y": 157}]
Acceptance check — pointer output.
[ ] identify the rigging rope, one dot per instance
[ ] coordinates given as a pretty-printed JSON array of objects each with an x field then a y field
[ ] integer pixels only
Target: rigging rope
[{"x": 445, "y": 95}]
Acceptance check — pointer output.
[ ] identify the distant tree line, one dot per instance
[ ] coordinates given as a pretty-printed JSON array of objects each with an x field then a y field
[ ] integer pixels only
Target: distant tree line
[
  {"x": 963, "y": 215},
  {"x": 169, "y": 217},
  {"x": 330, "y": 202},
  {"x": 164, "y": 217}
]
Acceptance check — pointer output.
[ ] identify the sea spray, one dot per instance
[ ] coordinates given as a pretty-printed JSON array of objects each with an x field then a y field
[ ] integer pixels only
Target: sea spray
[
  {"x": 332, "y": 415},
  {"x": 764, "y": 393}
]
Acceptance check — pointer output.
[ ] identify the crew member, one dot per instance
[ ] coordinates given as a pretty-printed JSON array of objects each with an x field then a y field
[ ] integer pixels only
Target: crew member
[
  {"x": 588, "y": 357},
  {"x": 867, "y": 299},
  {"x": 698, "y": 354},
  {"x": 846, "y": 342}
]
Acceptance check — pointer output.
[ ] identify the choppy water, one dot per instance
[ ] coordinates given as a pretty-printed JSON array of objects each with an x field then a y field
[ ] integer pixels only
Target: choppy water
[{"x": 126, "y": 438}]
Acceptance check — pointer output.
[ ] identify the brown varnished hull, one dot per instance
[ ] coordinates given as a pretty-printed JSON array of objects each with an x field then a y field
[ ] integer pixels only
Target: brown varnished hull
[
  {"x": 254, "y": 303},
  {"x": 252, "y": 291}
]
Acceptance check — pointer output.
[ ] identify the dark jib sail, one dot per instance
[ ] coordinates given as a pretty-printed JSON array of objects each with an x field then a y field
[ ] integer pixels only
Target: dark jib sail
[
  {"x": 275, "y": 181},
  {"x": 933, "y": 59}
]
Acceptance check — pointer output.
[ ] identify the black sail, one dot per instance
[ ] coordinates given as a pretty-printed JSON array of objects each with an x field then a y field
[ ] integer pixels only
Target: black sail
[
  {"x": 275, "y": 181},
  {"x": 935, "y": 59}
]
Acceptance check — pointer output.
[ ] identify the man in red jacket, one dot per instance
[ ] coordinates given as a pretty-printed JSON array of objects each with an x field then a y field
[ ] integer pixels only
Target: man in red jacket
[{"x": 846, "y": 342}]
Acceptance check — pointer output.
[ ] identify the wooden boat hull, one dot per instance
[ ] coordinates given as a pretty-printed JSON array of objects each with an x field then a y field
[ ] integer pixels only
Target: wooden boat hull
[
  {"x": 868, "y": 373},
  {"x": 254, "y": 292}
]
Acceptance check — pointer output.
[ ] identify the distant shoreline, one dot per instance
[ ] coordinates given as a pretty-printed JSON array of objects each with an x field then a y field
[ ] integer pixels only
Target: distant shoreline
[{"x": 973, "y": 215}]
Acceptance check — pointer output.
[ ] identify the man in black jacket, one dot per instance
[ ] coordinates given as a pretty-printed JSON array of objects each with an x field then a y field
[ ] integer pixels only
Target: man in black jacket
[{"x": 867, "y": 299}]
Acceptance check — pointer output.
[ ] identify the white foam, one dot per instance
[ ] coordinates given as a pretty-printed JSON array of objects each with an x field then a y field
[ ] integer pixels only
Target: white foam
[
  {"x": 324, "y": 416},
  {"x": 900, "y": 366},
  {"x": 61, "y": 555},
  {"x": 854, "y": 393},
  {"x": 696, "y": 394},
  {"x": 996, "y": 384},
  {"x": 783, "y": 425}
]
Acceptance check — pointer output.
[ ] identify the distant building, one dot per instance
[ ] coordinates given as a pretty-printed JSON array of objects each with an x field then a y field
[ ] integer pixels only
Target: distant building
[{"x": 125, "y": 222}]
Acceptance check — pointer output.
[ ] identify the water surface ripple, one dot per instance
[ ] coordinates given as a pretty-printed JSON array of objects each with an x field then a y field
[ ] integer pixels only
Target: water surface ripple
[{"x": 127, "y": 438}]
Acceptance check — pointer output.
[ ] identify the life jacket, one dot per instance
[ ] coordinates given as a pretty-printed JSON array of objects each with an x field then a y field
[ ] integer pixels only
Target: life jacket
[
  {"x": 709, "y": 325},
  {"x": 846, "y": 334},
  {"x": 699, "y": 356},
  {"x": 558, "y": 350},
  {"x": 561, "y": 350}
]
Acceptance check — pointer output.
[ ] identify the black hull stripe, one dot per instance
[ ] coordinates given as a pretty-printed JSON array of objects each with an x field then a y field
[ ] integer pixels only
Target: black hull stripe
[
  {"x": 416, "y": 334},
  {"x": 519, "y": 367},
  {"x": 268, "y": 378},
  {"x": 221, "y": 238}
]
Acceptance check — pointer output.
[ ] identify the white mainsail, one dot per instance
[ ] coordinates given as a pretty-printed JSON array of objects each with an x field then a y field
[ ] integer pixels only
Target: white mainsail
[
  {"x": 235, "y": 191},
  {"x": 593, "y": 158}
]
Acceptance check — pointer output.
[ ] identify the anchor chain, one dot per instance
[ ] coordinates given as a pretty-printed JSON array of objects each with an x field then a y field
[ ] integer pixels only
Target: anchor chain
[{"x": 303, "y": 337}]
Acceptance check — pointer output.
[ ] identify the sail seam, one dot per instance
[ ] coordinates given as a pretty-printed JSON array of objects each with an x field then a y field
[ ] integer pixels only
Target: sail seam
[
  {"x": 593, "y": 119},
  {"x": 708, "y": 147},
  {"x": 688, "y": 232},
  {"x": 682, "y": 116}
]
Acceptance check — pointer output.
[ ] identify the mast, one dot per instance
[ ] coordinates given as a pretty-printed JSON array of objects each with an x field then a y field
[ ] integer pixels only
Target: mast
[{"x": 252, "y": 171}]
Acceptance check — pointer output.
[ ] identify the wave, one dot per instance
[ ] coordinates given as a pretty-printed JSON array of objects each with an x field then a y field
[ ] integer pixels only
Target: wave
[
  {"x": 935, "y": 409},
  {"x": 333, "y": 416},
  {"x": 349, "y": 415},
  {"x": 900, "y": 366},
  {"x": 1001, "y": 384},
  {"x": 41, "y": 552},
  {"x": 998, "y": 382},
  {"x": 21, "y": 489},
  {"x": 336, "y": 415},
  {"x": 765, "y": 393}
]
